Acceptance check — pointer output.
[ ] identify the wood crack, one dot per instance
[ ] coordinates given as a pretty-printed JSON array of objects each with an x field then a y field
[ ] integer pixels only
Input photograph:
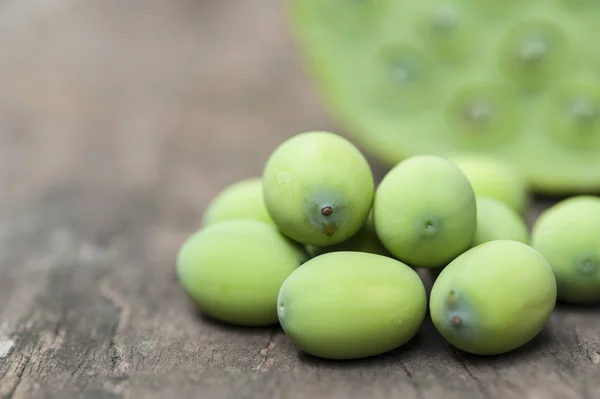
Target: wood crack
[
  {"x": 19, "y": 377},
  {"x": 263, "y": 354},
  {"x": 478, "y": 382},
  {"x": 114, "y": 352},
  {"x": 413, "y": 383}
]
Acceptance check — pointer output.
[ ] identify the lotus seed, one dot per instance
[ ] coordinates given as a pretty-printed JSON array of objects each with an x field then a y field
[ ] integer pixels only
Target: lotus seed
[
  {"x": 567, "y": 235},
  {"x": 350, "y": 305},
  {"x": 493, "y": 298},
  {"x": 328, "y": 191}
]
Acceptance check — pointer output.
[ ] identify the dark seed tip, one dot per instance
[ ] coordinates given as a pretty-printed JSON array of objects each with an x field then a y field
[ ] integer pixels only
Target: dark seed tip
[
  {"x": 326, "y": 211},
  {"x": 456, "y": 321}
]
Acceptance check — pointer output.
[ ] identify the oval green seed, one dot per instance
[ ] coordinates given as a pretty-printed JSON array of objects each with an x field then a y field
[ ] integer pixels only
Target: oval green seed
[
  {"x": 233, "y": 270},
  {"x": 240, "y": 200},
  {"x": 425, "y": 211},
  {"x": 348, "y": 305},
  {"x": 494, "y": 298},
  {"x": 497, "y": 221},
  {"x": 567, "y": 235},
  {"x": 318, "y": 188},
  {"x": 494, "y": 178}
]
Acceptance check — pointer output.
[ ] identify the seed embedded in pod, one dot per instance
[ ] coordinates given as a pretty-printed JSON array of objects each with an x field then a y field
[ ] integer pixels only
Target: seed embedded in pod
[
  {"x": 402, "y": 79},
  {"x": 573, "y": 113},
  {"x": 567, "y": 235},
  {"x": 493, "y": 298},
  {"x": 233, "y": 270},
  {"x": 350, "y": 305},
  {"x": 449, "y": 31},
  {"x": 240, "y": 200},
  {"x": 534, "y": 53},
  {"x": 318, "y": 188},
  {"x": 483, "y": 115},
  {"x": 425, "y": 211}
]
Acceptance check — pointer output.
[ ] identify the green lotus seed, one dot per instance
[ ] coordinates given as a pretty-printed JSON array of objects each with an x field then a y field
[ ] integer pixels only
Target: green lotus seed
[
  {"x": 348, "y": 305},
  {"x": 567, "y": 235},
  {"x": 425, "y": 211},
  {"x": 233, "y": 270},
  {"x": 240, "y": 200},
  {"x": 497, "y": 221},
  {"x": 494, "y": 178},
  {"x": 494, "y": 298},
  {"x": 318, "y": 188},
  {"x": 365, "y": 240}
]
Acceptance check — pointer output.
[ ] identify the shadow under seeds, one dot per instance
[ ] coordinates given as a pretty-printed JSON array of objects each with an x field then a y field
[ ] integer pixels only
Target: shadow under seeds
[
  {"x": 391, "y": 357},
  {"x": 523, "y": 354},
  {"x": 228, "y": 327},
  {"x": 568, "y": 308}
]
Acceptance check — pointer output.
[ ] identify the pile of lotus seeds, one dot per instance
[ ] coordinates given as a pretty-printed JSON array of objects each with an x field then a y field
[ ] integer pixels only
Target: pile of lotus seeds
[{"x": 315, "y": 246}]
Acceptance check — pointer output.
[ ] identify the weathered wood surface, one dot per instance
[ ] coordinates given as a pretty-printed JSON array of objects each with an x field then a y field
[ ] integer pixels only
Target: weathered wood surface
[{"x": 119, "y": 121}]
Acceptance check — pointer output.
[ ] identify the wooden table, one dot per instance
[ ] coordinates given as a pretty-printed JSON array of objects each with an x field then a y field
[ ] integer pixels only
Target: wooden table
[{"x": 119, "y": 121}]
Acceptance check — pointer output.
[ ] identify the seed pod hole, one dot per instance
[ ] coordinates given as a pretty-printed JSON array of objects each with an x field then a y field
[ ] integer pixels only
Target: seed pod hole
[
  {"x": 534, "y": 53},
  {"x": 573, "y": 114},
  {"x": 448, "y": 32},
  {"x": 484, "y": 115},
  {"x": 403, "y": 79}
]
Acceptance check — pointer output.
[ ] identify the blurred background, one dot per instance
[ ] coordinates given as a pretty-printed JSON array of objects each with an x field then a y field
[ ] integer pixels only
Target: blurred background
[{"x": 169, "y": 100}]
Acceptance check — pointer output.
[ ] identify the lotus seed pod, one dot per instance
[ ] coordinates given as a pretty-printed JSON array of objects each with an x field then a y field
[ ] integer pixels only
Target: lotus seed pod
[
  {"x": 507, "y": 79},
  {"x": 233, "y": 270},
  {"x": 365, "y": 240},
  {"x": 567, "y": 235},
  {"x": 425, "y": 211},
  {"x": 349, "y": 305},
  {"x": 496, "y": 179},
  {"x": 240, "y": 200},
  {"x": 497, "y": 221},
  {"x": 318, "y": 188},
  {"x": 494, "y": 298}
]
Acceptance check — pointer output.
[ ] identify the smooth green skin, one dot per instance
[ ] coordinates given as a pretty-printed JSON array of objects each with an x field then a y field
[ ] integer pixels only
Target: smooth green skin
[
  {"x": 233, "y": 270},
  {"x": 313, "y": 170},
  {"x": 497, "y": 221},
  {"x": 494, "y": 178},
  {"x": 504, "y": 294},
  {"x": 567, "y": 234},
  {"x": 365, "y": 240},
  {"x": 397, "y": 75},
  {"x": 420, "y": 191},
  {"x": 349, "y": 305},
  {"x": 240, "y": 200}
]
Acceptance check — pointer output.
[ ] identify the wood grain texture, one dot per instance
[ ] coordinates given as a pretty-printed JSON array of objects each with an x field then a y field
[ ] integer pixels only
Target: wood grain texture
[{"x": 119, "y": 121}]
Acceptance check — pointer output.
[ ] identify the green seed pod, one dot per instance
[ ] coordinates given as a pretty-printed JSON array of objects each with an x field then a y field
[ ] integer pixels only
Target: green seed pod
[
  {"x": 500, "y": 78},
  {"x": 233, "y": 270},
  {"x": 497, "y": 221},
  {"x": 425, "y": 211},
  {"x": 349, "y": 305},
  {"x": 567, "y": 234},
  {"x": 494, "y": 298},
  {"x": 496, "y": 179},
  {"x": 318, "y": 188},
  {"x": 240, "y": 200}
]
